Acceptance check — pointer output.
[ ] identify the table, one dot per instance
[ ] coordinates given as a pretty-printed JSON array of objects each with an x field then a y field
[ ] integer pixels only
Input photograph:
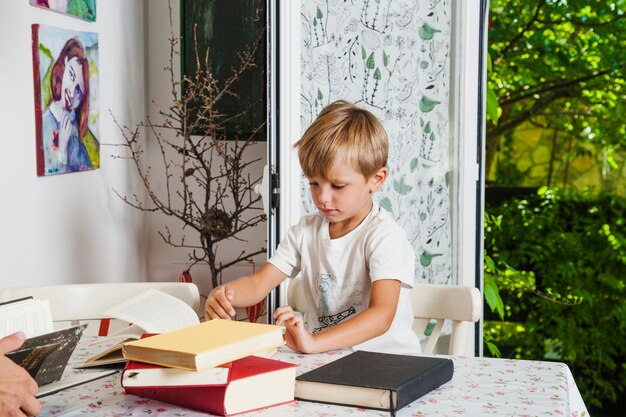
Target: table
[{"x": 480, "y": 387}]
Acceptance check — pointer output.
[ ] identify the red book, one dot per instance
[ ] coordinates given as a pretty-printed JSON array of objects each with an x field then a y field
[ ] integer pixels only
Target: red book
[{"x": 253, "y": 383}]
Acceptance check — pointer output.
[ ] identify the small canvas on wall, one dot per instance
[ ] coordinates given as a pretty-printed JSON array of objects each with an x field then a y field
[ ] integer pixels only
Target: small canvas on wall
[
  {"x": 84, "y": 9},
  {"x": 65, "y": 68}
]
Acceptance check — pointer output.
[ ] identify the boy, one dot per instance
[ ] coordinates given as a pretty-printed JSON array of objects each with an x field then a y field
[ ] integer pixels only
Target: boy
[{"x": 355, "y": 261}]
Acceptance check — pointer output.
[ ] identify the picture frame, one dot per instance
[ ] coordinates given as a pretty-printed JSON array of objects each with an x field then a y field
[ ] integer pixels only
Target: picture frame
[
  {"x": 225, "y": 28},
  {"x": 66, "y": 99},
  {"x": 82, "y": 9}
]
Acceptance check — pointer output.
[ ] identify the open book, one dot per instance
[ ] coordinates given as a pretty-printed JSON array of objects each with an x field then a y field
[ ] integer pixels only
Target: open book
[
  {"x": 45, "y": 353},
  {"x": 152, "y": 311},
  {"x": 28, "y": 315}
]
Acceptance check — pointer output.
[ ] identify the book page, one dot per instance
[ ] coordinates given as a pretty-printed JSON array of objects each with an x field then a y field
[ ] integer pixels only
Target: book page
[
  {"x": 110, "y": 347},
  {"x": 109, "y": 356},
  {"x": 129, "y": 332},
  {"x": 33, "y": 317},
  {"x": 155, "y": 312}
]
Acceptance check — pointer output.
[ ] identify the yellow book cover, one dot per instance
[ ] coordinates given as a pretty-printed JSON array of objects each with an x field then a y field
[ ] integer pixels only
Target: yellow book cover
[{"x": 205, "y": 345}]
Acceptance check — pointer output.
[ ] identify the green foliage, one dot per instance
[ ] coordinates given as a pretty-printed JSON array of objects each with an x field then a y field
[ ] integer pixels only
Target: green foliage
[
  {"x": 557, "y": 261},
  {"x": 507, "y": 172},
  {"x": 491, "y": 289},
  {"x": 558, "y": 65},
  {"x": 494, "y": 111}
]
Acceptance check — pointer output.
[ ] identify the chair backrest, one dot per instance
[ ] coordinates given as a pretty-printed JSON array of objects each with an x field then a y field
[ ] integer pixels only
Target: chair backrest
[
  {"x": 460, "y": 305},
  {"x": 87, "y": 302}
]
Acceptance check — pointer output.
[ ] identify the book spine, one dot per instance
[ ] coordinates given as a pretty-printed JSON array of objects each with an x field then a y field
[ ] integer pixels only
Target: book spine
[
  {"x": 424, "y": 383},
  {"x": 202, "y": 398}
]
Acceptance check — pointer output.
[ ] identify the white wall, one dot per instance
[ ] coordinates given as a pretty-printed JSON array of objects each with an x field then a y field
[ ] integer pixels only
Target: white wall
[
  {"x": 73, "y": 228},
  {"x": 70, "y": 228}
]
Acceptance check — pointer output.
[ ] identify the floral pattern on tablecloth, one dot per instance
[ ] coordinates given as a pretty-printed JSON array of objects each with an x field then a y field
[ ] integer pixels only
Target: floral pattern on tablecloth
[{"x": 480, "y": 387}]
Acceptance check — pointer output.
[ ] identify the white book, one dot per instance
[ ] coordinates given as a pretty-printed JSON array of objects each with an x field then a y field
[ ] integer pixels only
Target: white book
[
  {"x": 45, "y": 352},
  {"x": 152, "y": 311},
  {"x": 155, "y": 312},
  {"x": 31, "y": 316}
]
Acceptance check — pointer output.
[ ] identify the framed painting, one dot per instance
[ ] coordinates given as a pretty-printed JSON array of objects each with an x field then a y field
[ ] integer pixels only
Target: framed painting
[
  {"x": 225, "y": 28},
  {"x": 65, "y": 74},
  {"x": 84, "y": 9}
]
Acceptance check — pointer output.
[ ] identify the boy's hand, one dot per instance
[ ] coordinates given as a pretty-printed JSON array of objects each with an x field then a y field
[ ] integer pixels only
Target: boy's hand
[
  {"x": 296, "y": 336},
  {"x": 218, "y": 303},
  {"x": 17, "y": 387}
]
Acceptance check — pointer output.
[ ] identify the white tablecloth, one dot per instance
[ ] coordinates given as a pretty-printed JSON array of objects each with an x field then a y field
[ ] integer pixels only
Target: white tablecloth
[{"x": 480, "y": 387}]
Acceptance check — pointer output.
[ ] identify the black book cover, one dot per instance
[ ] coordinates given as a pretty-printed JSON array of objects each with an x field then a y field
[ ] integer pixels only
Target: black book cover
[
  {"x": 409, "y": 376},
  {"x": 46, "y": 356}
]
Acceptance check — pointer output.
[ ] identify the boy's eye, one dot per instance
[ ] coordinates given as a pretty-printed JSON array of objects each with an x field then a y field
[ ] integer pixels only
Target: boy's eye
[
  {"x": 338, "y": 186},
  {"x": 313, "y": 184}
]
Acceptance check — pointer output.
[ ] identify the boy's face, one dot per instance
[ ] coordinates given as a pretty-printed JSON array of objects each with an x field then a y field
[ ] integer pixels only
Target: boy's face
[{"x": 345, "y": 198}]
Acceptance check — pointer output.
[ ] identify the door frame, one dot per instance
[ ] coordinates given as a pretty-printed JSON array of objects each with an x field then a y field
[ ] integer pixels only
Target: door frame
[
  {"x": 468, "y": 130},
  {"x": 469, "y": 109}
]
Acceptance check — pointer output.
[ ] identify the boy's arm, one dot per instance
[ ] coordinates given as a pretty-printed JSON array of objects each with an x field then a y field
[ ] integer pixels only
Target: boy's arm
[
  {"x": 371, "y": 322},
  {"x": 242, "y": 292}
]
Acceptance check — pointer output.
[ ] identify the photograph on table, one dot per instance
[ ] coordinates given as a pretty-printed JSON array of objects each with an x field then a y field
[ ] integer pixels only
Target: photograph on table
[
  {"x": 84, "y": 9},
  {"x": 67, "y": 114}
]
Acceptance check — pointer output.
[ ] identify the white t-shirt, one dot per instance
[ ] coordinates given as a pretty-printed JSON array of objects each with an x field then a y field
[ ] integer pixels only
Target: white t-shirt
[{"x": 338, "y": 273}]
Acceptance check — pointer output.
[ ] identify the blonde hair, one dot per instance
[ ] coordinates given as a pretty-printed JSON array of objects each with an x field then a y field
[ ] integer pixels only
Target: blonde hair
[{"x": 343, "y": 132}]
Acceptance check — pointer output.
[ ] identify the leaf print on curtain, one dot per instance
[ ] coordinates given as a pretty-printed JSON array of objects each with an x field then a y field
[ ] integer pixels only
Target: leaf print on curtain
[{"x": 393, "y": 59}]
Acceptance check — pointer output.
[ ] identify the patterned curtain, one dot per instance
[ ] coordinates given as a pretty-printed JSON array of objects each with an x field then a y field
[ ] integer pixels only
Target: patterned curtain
[{"x": 393, "y": 58}]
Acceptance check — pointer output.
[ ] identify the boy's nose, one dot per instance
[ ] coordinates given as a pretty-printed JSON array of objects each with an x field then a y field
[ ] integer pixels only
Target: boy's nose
[{"x": 324, "y": 196}]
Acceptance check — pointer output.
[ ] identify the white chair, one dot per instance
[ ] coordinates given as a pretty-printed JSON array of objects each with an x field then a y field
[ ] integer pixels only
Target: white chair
[
  {"x": 87, "y": 302},
  {"x": 460, "y": 305}
]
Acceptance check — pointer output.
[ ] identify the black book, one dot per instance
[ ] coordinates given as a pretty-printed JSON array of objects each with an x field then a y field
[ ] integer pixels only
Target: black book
[
  {"x": 45, "y": 356},
  {"x": 380, "y": 381}
]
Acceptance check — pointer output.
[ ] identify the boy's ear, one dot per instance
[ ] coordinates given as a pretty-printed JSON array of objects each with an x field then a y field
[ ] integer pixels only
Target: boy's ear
[{"x": 378, "y": 179}]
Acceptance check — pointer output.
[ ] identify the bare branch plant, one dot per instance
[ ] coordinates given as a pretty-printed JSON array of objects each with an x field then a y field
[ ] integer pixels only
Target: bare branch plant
[{"x": 206, "y": 179}]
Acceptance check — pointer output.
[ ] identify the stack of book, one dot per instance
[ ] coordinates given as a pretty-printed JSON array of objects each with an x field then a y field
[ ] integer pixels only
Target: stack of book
[{"x": 219, "y": 367}]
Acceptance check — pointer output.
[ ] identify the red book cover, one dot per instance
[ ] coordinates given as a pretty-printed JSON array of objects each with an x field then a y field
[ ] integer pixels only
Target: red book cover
[{"x": 253, "y": 383}]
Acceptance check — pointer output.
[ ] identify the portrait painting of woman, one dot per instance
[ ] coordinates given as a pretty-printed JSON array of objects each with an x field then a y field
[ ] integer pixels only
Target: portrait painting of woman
[{"x": 66, "y": 112}]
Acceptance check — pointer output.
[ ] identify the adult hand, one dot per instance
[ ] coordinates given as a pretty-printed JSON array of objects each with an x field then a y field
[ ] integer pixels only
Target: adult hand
[
  {"x": 218, "y": 303},
  {"x": 297, "y": 336},
  {"x": 17, "y": 387}
]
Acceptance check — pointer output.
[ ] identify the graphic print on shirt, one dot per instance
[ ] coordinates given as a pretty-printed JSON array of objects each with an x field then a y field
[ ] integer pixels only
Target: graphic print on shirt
[
  {"x": 331, "y": 320},
  {"x": 323, "y": 286},
  {"x": 326, "y": 286}
]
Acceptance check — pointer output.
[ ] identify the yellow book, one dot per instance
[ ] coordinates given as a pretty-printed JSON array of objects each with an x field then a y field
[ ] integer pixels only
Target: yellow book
[{"x": 205, "y": 345}]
